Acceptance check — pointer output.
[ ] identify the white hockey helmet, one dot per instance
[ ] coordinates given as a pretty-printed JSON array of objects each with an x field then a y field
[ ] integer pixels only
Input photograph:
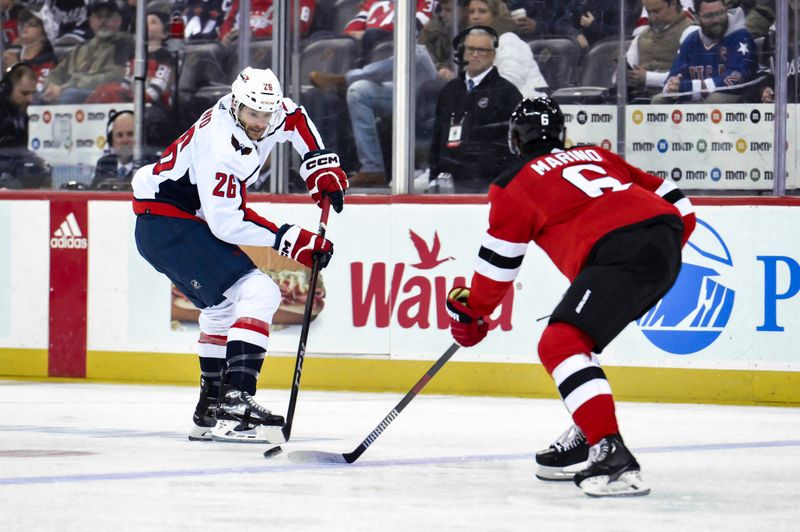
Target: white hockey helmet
[{"x": 257, "y": 89}]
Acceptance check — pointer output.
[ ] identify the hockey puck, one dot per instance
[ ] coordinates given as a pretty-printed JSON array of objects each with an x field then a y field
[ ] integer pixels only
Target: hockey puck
[{"x": 269, "y": 453}]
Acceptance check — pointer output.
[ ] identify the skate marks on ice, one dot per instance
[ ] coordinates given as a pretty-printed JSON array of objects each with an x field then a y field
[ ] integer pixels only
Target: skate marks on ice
[{"x": 280, "y": 465}]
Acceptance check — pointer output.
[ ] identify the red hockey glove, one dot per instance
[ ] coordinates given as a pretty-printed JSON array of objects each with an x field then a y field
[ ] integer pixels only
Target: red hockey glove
[
  {"x": 323, "y": 175},
  {"x": 467, "y": 327},
  {"x": 303, "y": 246}
]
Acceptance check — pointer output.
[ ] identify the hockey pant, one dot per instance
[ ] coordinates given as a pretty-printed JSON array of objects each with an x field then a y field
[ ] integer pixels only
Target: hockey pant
[
  {"x": 234, "y": 335},
  {"x": 566, "y": 353}
]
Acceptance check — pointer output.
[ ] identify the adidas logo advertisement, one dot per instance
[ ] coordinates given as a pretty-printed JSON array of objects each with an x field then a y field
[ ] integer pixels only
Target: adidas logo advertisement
[{"x": 69, "y": 235}]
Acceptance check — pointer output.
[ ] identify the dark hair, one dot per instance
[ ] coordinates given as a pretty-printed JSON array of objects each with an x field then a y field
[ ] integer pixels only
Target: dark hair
[
  {"x": 697, "y": 4},
  {"x": 13, "y": 75}
]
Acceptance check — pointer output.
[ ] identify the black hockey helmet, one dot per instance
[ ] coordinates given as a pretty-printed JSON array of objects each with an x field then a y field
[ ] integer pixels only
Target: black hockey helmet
[{"x": 535, "y": 121}]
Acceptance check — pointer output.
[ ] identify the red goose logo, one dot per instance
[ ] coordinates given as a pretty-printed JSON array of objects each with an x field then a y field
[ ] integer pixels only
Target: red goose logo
[
  {"x": 428, "y": 257},
  {"x": 386, "y": 294}
]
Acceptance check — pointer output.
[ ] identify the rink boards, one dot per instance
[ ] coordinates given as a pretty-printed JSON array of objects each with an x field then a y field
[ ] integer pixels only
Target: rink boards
[{"x": 79, "y": 302}]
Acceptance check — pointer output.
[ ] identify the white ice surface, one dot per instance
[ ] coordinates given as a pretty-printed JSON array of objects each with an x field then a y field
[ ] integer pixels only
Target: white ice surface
[{"x": 96, "y": 457}]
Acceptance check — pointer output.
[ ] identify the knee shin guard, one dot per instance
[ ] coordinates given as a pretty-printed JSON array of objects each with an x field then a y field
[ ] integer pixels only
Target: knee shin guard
[{"x": 565, "y": 352}]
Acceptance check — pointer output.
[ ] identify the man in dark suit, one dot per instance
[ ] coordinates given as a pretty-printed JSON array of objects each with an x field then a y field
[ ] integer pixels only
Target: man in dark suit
[{"x": 470, "y": 131}]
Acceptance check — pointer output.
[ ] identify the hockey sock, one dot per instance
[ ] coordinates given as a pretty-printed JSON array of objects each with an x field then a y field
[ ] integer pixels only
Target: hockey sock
[
  {"x": 247, "y": 345},
  {"x": 211, "y": 350},
  {"x": 565, "y": 352},
  {"x": 211, "y": 376},
  {"x": 244, "y": 365}
]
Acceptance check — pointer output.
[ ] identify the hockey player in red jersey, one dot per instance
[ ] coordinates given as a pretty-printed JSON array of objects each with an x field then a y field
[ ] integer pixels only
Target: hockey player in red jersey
[
  {"x": 192, "y": 216},
  {"x": 616, "y": 233}
]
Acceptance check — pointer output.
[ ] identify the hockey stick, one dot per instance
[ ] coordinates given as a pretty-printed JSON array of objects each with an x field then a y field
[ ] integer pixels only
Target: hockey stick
[
  {"x": 349, "y": 458},
  {"x": 301, "y": 348}
]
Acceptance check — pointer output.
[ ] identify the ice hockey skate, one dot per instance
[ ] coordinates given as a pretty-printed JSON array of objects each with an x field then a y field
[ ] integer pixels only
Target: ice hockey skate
[
  {"x": 565, "y": 456},
  {"x": 204, "y": 420},
  {"x": 241, "y": 420},
  {"x": 612, "y": 471},
  {"x": 204, "y": 417}
]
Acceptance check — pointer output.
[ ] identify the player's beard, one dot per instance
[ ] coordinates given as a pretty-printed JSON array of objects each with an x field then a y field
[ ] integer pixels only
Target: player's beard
[
  {"x": 715, "y": 30},
  {"x": 255, "y": 133}
]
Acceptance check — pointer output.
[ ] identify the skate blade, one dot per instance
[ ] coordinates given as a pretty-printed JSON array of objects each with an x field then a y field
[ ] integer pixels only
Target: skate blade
[
  {"x": 559, "y": 474},
  {"x": 628, "y": 484},
  {"x": 199, "y": 433},
  {"x": 316, "y": 457},
  {"x": 225, "y": 431}
]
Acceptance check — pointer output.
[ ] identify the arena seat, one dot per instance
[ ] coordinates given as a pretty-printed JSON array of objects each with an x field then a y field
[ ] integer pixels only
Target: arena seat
[
  {"x": 597, "y": 76},
  {"x": 335, "y": 56},
  {"x": 344, "y": 12},
  {"x": 558, "y": 61},
  {"x": 382, "y": 50}
]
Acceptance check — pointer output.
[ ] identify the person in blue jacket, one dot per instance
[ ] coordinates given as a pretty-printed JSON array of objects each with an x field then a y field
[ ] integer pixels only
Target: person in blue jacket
[{"x": 716, "y": 64}]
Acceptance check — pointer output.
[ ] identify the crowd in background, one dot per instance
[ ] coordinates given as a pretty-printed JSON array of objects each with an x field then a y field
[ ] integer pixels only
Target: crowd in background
[{"x": 82, "y": 51}]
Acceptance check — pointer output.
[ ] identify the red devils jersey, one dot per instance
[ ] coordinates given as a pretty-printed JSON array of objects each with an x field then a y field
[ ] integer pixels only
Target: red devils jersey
[
  {"x": 565, "y": 201},
  {"x": 261, "y": 17},
  {"x": 379, "y": 14}
]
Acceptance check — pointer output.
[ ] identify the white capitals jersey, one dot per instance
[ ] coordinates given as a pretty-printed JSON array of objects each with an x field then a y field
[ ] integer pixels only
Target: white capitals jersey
[{"x": 205, "y": 172}]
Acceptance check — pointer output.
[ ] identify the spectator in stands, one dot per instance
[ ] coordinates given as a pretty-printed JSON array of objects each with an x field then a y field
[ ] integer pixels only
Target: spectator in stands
[
  {"x": 759, "y": 15},
  {"x": 514, "y": 58},
  {"x": 9, "y": 30},
  {"x": 470, "y": 133},
  {"x": 644, "y": 19},
  {"x": 102, "y": 59},
  {"x": 16, "y": 94},
  {"x": 369, "y": 96},
  {"x": 590, "y": 21},
  {"x": 374, "y": 22},
  {"x": 765, "y": 90},
  {"x": 32, "y": 47},
  {"x": 115, "y": 168},
  {"x": 537, "y": 18},
  {"x": 714, "y": 64},
  {"x": 652, "y": 52},
  {"x": 127, "y": 9},
  {"x": 437, "y": 36},
  {"x": 160, "y": 70},
  {"x": 261, "y": 19},
  {"x": 369, "y": 89},
  {"x": 159, "y": 84},
  {"x": 203, "y": 19},
  {"x": 67, "y": 20}
]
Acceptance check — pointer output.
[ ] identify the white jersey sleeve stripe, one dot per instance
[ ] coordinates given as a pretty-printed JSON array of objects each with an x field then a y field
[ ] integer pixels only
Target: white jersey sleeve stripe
[{"x": 504, "y": 247}]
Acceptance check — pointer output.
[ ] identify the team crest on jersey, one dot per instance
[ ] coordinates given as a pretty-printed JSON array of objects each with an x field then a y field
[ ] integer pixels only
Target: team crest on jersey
[{"x": 238, "y": 147}]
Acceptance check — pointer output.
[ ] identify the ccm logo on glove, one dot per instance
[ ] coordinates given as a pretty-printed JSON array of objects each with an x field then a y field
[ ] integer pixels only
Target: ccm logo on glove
[
  {"x": 327, "y": 160},
  {"x": 303, "y": 246},
  {"x": 323, "y": 176}
]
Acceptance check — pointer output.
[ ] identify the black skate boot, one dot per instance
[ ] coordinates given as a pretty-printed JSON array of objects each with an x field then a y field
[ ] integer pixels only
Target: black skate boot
[
  {"x": 204, "y": 417},
  {"x": 241, "y": 419},
  {"x": 612, "y": 471},
  {"x": 565, "y": 457}
]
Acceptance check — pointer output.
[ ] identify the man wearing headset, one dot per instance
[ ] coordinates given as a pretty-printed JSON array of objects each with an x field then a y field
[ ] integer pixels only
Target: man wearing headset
[
  {"x": 16, "y": 93},
  {"x": 193, "y": 216},
  {"x": 116, "y": 166},
  {"x": 470, "y": 129}
]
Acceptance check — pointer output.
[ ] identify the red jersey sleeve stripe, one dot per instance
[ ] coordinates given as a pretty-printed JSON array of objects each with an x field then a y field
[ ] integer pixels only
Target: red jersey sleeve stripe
[
  {"x": 297, "y": 121},
  {"x": 249, "y": 215}
]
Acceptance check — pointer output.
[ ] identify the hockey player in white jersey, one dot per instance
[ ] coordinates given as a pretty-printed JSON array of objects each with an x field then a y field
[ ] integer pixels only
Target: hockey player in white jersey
[{"x": 192, "y": 216}]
